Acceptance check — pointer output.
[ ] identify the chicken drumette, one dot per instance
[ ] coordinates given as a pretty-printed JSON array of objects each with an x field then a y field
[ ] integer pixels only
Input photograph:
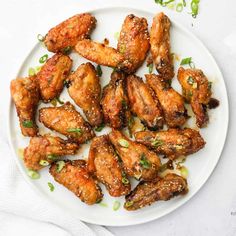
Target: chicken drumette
[
  {"x": 75, "y": 177},
  {"x": 138, "y": 160},
  {"x": 67, "y": 121},
  {"x": 85, "y": 90},
  {"x": 172, "y": 102},
  {"x": 25, "y": 94},
  {"x": 173, "y": 142},
  {"x": 43, "y": 150},
  {"x": 103, "y": 162}
]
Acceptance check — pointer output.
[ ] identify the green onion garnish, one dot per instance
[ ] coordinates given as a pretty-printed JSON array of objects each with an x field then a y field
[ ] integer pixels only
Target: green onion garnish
[
  {"x": 44, "y": 163},
  {"x": 117, "y": 35},
  {"x": 144, "y": 162},
  {"x": 190, "y": 80},
  {"x": 129, "y": 203},
  {"x": 186, "y": 61},
  {"x": 74, "y": 130},
  {"x": 40, "y": 37},
  {"x": 150, "y": 68},
  {"x": 51, "y": 186},
  {"x": 103, "y": 204},
  {"x": 52, "y": 157},
  {"x": 167, "y": 2},
  {"x": 59, "y": 101},
  {"x": 33, "y": 174},
  {"x": 37, "y": 69},
  {"x": 125, "y": 181},
  {"x": 31, "y": 71},
  {"x": 123, "y": 143},
  {"x": 99, "y": 70},
  {"x": 60, "y": 165},
  {"x": 124, "y": 104},
  {"x": 194, "y": 8},
  {"x": 28, "y": 124},
  {"x": 184, "y": 172},
  {"x": 67, "y": 50},
  {"x": 157, "y": 143},
  {"x": 43, "y": 58},
  {"x": 179, "y": 7},
  {"x": 116, "y": 205},
  {"x": 100, "y": 128},
  {"x": 184, "y": 3},
  {"x": 209, "y": 85}
]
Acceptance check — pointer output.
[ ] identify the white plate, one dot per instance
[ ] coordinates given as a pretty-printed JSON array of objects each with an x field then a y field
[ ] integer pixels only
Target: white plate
[{"x": 200, "y": 165}]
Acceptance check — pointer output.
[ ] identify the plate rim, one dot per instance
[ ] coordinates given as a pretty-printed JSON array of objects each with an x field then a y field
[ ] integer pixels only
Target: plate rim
[{"x": 135, "y": 221}]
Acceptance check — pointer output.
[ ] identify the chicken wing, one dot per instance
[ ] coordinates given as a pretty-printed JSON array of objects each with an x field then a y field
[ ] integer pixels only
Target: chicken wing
[
  {"x": 67, "y": 121},
  {"x": 144, "y": 103},
  {"x": 103, "y": 162},
  {"x": 158, "y": 189},
  {"x": 52, "y": 75},
  {"x": 115, "y": 103},
  {"x": 160, "y": 46},
  {"x": 138, "y": 160},
  {"x": 172, "y": 143},
  {"x": 196, "y": 90},
  {"x": 75, "y": 177},
  {"x": 44, "y": 150},
  {"x": 69, "y": 32},
  {"x": 172, "y": 103},
  {"x": 25, "y": 94},
  {"x": 133, "y": 42},
  {"x": 85, "y": 90}
]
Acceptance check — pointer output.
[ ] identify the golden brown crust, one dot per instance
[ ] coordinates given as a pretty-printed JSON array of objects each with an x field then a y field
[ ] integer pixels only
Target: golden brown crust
[
  {"x": 158, "y": 189},
  {"x": 52, "y": 75},
  {"x": 138, "y": 160},
  {"x": 172, "y": 102},
  {"x": 25, "y": 95},
  {"x": 133, "y": 42},
  {"x": 196, "y": 90},
  {"x": 172, "y": 143},
  {"x": 144, "y": 103},
  {"x": 67, "y": 121},
  {"x": 115, "y": 103},
  {"x": 46, "y": 148},
  {"x": 160, "y": 46},
  {"x": 85, "y": 90},
  {"x": 103, "y": 162},
  {"x": 75, "y": 177},
  {"x": 69, "y": 32}
]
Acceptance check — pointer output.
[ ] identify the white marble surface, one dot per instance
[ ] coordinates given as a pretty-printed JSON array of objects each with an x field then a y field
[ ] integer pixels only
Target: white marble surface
[{"x": 213, "y": 209}]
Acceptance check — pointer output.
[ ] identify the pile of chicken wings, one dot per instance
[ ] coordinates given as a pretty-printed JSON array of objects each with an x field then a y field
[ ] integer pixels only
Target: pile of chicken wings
[{"x": 113, "y": 158}]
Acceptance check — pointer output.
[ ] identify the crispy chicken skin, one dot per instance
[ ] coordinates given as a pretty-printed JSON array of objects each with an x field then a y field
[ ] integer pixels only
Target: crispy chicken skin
[
  {"x": 173, "y": 142},
  {"x": 196, "y": 90},
  {"x": 103, "y": 162},
  {"x": 160, "y": 46},
  {"x": 115, "y": 103},
  {"x": 158, "y": 189},
  {"x": 52, "y": 75},
  {"x": 75, "y": 177},
  {"x": 172, "y": 102},
  {"x": 69, "y": 32},
  {"x": 143, "y": 102},
  {"x": 25, "y": 94},
  {"x": 46, "y": 148},
  {"x": 133, "y": 42},
  {"x": 67, "y": 121},
  {"x": 85, "y": 90},
  {"x": 138, "y": 160}
]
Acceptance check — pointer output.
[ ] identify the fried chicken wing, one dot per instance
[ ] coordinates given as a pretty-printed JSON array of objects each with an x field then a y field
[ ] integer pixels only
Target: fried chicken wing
[
  {"x": 144, "y": 103},
  {"x": 160, "y": 46},
  {"x": 85, "y": 90},
  {"x": 75, "y": 177},
  {"x": 103, "y": 162},
  {"x": 25, "y": 94},
  {"x": 69, "y": 32},
  {"x": 67, "y": 121},
  {"x": 44, "y": 150},
  {"x": 115, "y": 103},
  {"x": 158, "y": 189},
  {"x": 52, "y": 75},
  {"x": 133, "y": 42},
  {"x": 172, "y": 102},
  {"x": 196, "y": 90},
  {"x": 173, "y": 142},
  {"x": 138, "y": 160}
]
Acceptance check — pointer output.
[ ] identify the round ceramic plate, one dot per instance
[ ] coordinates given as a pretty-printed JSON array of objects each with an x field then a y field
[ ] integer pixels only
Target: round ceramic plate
[{"x": 200, "y": 165}]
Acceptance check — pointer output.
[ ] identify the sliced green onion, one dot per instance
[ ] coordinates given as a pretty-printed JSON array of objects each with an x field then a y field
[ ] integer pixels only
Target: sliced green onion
[
  {"x": 125, "y": 181},
  {"x": 103, "y": 204},
  {"x": 37, "y": 69},
  {"x": 117, "y": 35},
  {"x": 124, "y": 104},
  {"x": 150, "y": 68},
  {"x": 194, "y": 8},
  {"x": 28, "y": 124},
  {"x": 54, "y": 102},
  {"x": 186, "y": 61},
  {"x": 60, "y": 165},
  {"x": 52, "y": 157},
  {"x": 33, "y": 174},
  {"x": 100, "y": 128},
  {"x": 51, "y": 186},
  {"x": 190, "y": 80},
  {"x": 44, "y": 163},
  {"x": 144, "y": 162},
  {"x": 166, "y": 3},
  {"x": 43, "y": 58},
  {"x": 67, "y": 50},
  {"x": 116, "y": 205},
  {"x": 99, "y": 70},
  {"x": 40, "y": 37},
  {"x": 184, "y": 3},
  {"x": 75, "y": 130},
  {"x": 59, "y": 101},
  {"x": 31, "y": 71},
  {"x": 179, "y": 7},
  {"x": 123, "y": 143},
  {"x": 184, "y": 172},
  {"x": 192, "y": 65},
  {"x": 129, "y": 203},
  {"x": 157, "y": 143},
  {"x": 209, "y": 85}
]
